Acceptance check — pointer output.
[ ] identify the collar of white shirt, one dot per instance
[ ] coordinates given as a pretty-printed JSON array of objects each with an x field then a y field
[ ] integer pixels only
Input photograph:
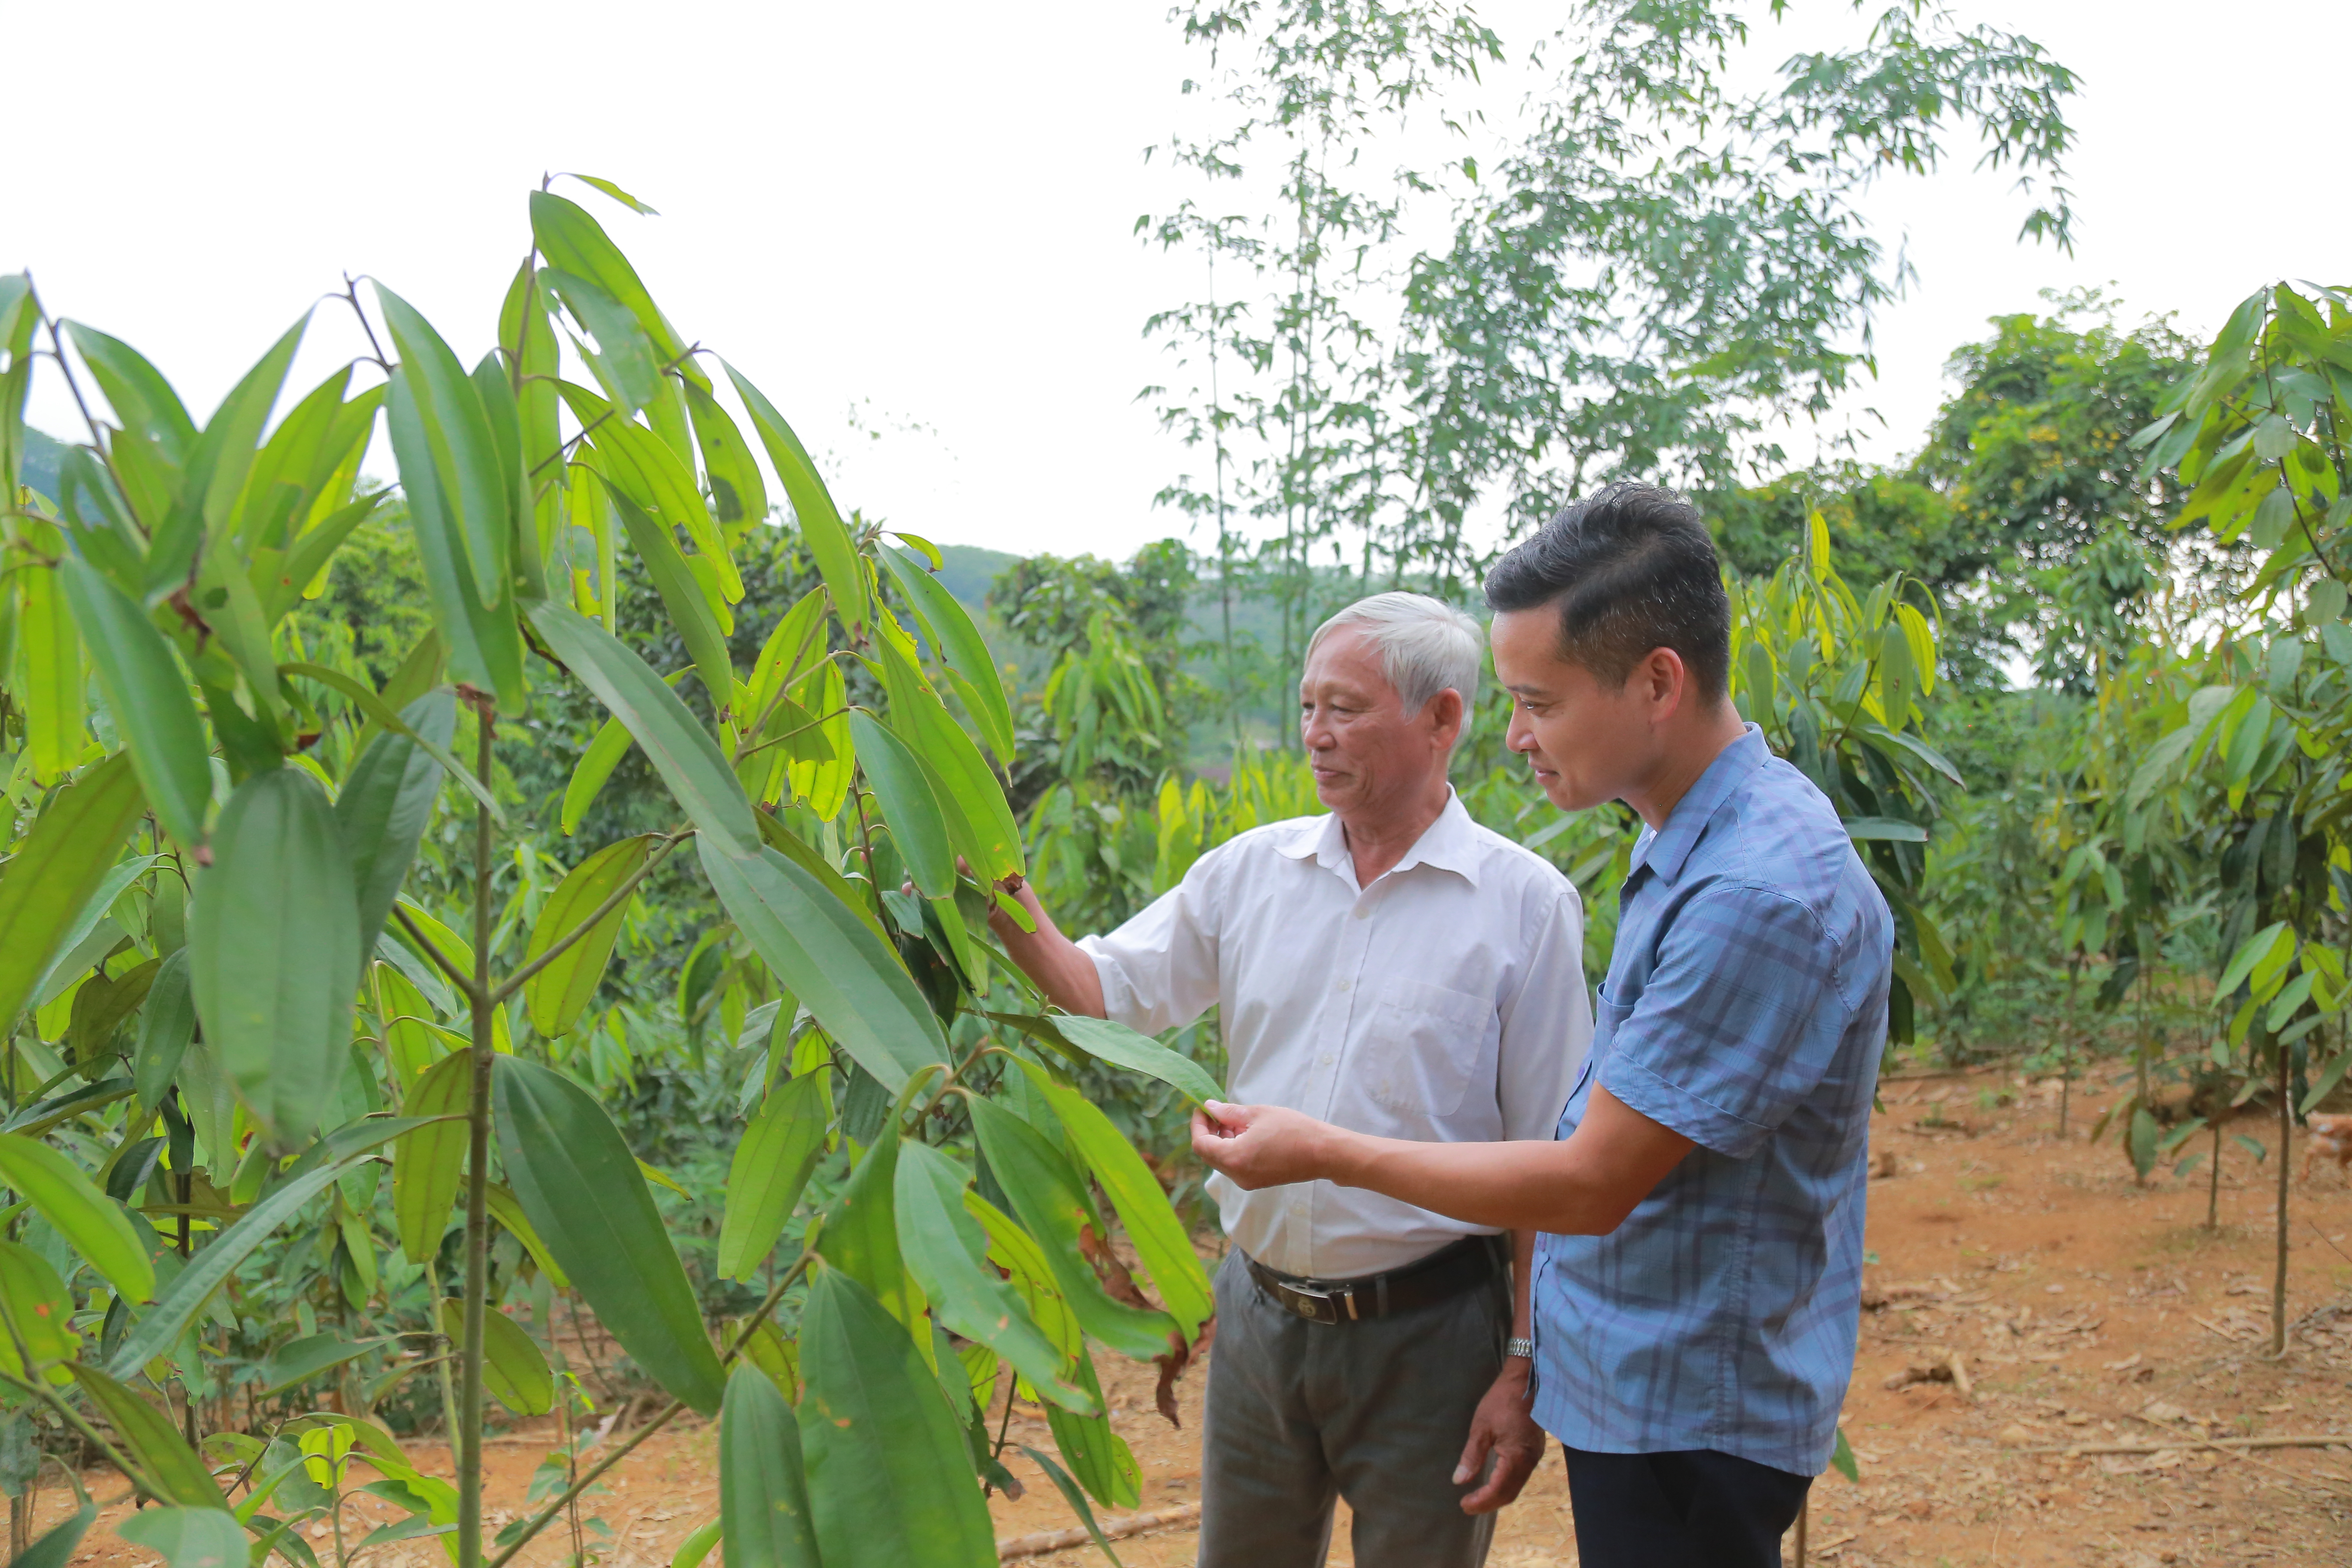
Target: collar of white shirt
[{"x": 1450, "y": 844}]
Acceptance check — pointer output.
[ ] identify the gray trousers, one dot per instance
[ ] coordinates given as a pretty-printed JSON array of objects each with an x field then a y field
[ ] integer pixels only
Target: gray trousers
[{"x": 1300, "y": 1413}]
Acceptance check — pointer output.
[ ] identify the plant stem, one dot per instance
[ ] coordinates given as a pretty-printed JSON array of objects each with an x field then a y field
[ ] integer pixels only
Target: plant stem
[
  {"x": 2286, "y": 1138},
  {"x": 469, "y": 1436},
  {"x": 583, "y": 1480},
  {"x": 588, "y": 922},
  {"x": 2213, "y": 1181}
]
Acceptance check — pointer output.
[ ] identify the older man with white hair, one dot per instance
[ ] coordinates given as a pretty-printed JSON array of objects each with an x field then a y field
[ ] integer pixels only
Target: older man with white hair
[{"x": 1395, "y": 968}]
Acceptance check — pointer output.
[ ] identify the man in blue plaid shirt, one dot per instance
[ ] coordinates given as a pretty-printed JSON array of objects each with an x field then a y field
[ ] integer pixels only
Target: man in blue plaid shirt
[{"x": 1698, "y": 1280}]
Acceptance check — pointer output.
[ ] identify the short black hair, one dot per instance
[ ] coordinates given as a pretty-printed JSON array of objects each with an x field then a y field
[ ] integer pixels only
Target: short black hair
[{"x": 1632, "y": 569}]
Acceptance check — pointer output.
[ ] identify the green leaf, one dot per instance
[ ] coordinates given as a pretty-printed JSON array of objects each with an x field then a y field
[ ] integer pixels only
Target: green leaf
[
  {"x": 49, "y": 882},
  {"x": 1842, "y": 1459},
  {"x": 188, "y": 1536},
  {"x": 577, "y": 243},
  {"x": 147, "y": 691},
  {"x": 1884, "y": 827},
  {"x": 1120, "y": 1045},
  {"x": 309, "y": 555},
  {"x": 217, "y": 465},
  {"x": 52, "y": 687},
  {"x": 485, "y": 645},
  {"x": 1161, "y": 1240},
  {"x": 696, "y": 1547},
  {"x": 860, "y": 1233},
  {"x": 770, "y": 1167},
  {"x": 584, "y": 1194},
  {"x": 508, "y": 1213},
  {"x": 959, "y": 643},
  {"x": 828, "y": 540},
  {"x": 736, "y": 492},
  {"x": 1100, "y": 1457},
  {"x": 166, "y": 1025},
  {"x": 429, "y": 1164},
  {"x": 625, "y": 362},
  {"x": 514, "y": 1369},
  {"x": 588, "y": 773},
  {"x": 159, "y": 1327},
  {"x": 908, "y": 805},
  {"x": 764, "y": 1504},
  {"x": 662, "y": 481},
  {"x": 1050, "y": 1204},
  {"x": 627, "y": 200},
  {"x": 970, "y": 786},
  {"x": 93, "y": 1223},
  {"x": 386, "y": 802},
  {"x": 39, "y": 1312},
  {"x": 823, "y": 954},
  {"x": 784, "y": 841},
  {"x": 305, "y": 1358},
  {"x": 680, "y": 749},
  {"x": 558, "y": 993},
  {"x": 463, "y": 450},
  {"x": 149, "y": 411},
  {"x": 889, "y": 1479},
  {"x": 947, "y": 1255},
  {"x": 171, "y": 1464},
  {"x": 2263, "y": 947},
  {"x": 1075, "y": 1497},
  {"x": 274, "y": 950},
  {"x": 2325, "y": 1084},
  {"x": 55, "y": 1549},
  {"x": 681, "y": 595}
]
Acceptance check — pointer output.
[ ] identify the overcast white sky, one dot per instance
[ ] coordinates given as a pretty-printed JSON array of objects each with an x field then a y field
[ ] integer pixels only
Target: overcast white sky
[{"x": 923, "y": 211}]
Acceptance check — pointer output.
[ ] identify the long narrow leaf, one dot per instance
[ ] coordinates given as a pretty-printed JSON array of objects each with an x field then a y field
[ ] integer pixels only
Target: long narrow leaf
[
  {"x": 585, "y": 1195},
  {"x": 148, "y": 693},
  {"x": 48, "y": 881}
]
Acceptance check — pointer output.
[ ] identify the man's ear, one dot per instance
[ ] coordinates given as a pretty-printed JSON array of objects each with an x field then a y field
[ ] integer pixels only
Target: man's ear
[
  {"x": 1666, "y": 682},
  {"x": 1445, "y": 712}
]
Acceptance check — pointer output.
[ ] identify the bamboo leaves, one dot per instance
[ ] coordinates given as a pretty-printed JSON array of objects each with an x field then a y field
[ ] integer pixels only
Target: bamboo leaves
[
  {"x": 585, "y": 1197},
  {"x": 274, "y": 948}
]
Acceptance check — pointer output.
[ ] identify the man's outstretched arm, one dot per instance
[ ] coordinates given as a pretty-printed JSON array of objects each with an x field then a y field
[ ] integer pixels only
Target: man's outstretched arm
[
  {"x": 1582, "y": 1186},
  {"x": 1054, "y": 963}
]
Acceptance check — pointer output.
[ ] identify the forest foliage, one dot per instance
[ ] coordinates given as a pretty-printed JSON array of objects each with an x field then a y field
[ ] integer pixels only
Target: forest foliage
[{"x": 549, "y": 889}]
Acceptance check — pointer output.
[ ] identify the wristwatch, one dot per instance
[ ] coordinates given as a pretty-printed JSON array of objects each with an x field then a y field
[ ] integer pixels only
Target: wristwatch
[{"x": 1526, "y": 1348}]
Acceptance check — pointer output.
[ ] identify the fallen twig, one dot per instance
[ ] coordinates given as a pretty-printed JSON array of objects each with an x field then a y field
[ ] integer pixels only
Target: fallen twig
[
  {"x": 2337, "y": 1440},
  {"x": 1044, "y": 1540}
]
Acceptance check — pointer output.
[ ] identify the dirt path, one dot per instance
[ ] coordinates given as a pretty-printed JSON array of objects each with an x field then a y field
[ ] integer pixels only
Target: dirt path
[{"x": 2084, "y": 1310}]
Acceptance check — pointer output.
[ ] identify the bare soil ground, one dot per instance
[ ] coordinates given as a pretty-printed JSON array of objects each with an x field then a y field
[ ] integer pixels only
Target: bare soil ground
[{"x": 2084, "y": 1310}]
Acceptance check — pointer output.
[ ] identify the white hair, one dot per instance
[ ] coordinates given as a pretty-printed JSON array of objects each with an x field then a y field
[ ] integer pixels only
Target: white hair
[{"x": 1425, "y": 645}]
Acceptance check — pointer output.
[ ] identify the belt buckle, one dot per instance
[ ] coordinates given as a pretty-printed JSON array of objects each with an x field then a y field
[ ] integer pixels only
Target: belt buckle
[{"x": 1315, "y": 1306}]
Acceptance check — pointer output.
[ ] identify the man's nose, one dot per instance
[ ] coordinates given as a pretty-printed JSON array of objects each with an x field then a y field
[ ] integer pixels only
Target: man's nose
[{"x": 1518, "y": 735}]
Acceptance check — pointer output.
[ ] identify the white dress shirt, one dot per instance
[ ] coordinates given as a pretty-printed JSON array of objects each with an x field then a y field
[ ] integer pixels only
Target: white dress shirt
[{"x": 1444, "y": 1003}]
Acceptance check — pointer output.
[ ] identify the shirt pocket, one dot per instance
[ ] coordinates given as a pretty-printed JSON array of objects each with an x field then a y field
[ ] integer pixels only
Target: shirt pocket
[{"x": 1425, "y": 1044}]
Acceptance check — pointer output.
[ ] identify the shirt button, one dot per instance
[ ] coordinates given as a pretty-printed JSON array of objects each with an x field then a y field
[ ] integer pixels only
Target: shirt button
[
  {"x": 1363, "y": 911},
  {"x": 1324, "y": 1060},
  {"x": 1344, "y": 986}
]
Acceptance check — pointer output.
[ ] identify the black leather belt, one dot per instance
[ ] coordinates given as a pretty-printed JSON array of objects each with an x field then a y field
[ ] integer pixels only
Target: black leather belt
[{"x": 1443, "y": 1275}]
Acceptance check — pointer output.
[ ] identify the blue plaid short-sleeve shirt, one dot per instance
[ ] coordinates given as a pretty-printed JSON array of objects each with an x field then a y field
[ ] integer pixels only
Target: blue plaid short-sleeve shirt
[{"x": 1745, "y": 1008}]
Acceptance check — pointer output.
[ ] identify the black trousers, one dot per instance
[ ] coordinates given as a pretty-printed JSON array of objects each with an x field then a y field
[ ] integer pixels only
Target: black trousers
[{"x": 1691, "y": 1508}]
